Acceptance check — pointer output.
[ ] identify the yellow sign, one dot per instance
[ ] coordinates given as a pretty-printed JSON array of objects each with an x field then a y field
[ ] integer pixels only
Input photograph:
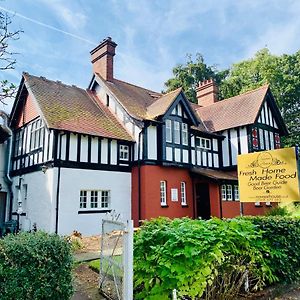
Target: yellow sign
[{"x": 268, "y": 176}]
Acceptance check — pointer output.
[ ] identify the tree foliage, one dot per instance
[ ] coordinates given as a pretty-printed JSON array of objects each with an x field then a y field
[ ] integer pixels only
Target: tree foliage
[
  {"x": 281, "y": 72},
  {"x": 7, "y": 57},
  {"x": 189, "y": 74}
]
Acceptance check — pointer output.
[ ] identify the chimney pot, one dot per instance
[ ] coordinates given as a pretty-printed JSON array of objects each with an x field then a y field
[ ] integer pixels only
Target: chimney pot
[
  {"x": 207, "y": 92},
  {"x": 102, "y": 58}
]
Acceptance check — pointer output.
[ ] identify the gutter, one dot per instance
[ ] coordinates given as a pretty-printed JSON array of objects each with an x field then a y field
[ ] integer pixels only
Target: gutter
[
  {"x": 8, "y": 179},
  {"x": 139, "y": 176}
]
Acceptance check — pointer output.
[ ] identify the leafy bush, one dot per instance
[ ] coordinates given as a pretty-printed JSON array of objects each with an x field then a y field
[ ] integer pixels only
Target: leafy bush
[
  {"x": 35, "y": 266},
  {"x": 278, "y": 211},
  {"x": 283, "y": 236},
  {"x": 198, "y": 258}
]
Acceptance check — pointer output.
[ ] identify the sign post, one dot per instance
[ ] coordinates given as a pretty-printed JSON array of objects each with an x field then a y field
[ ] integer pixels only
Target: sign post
[{"x": 269, "y": 176}]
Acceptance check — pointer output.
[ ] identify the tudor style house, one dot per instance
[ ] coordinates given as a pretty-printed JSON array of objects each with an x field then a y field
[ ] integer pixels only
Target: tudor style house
[{"x": 115, "y": 146}]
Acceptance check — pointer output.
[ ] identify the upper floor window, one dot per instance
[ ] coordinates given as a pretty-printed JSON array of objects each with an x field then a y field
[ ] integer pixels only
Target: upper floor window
[
  {"x": 124, "y": 152},
  {"x": 18, "y": 143},
  {"x": 37, "y": 134},
  {"x": 277, "y": 141},
  {"x": 169, "y": 131},
  {"x": 94, "y": 199},
  {"x": 184, "y": 134},
  {"x": 203, "y": 143},
  {"x": 163, "y": 193},
  {"x": 261, "y": 139},
  {"x": 254, "y": 138},
  {"x": 176, "y": 132}
]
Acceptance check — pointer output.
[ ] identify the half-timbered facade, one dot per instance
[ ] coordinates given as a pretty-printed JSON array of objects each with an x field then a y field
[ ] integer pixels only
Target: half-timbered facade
[{"x": 81, "y": 153}]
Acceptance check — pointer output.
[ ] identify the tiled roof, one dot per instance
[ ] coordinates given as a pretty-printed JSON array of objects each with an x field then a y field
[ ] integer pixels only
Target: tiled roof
[
  {"x": 214, "y": 174},
  {"x": 161, "y": 105},
  {"x": 73, "y": 109},
  {"x": 134, "y": 99},
  {"x": 233, "y": 112}
]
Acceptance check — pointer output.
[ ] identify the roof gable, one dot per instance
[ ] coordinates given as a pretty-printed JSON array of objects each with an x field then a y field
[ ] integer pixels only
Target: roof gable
[{"x": 73, "y": 109}]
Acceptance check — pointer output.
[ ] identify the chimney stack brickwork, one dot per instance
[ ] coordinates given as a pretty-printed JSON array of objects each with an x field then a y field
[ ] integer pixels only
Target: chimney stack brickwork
[
  {"x": 102, "y": 58},
  {"x": 207, "y": 92}
]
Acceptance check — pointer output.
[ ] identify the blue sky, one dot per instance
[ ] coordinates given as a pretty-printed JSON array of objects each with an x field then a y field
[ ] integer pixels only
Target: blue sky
[{"x": 152, "y": 36}]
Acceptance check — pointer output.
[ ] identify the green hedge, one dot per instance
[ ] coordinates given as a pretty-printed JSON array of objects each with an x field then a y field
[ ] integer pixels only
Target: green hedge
[
  {"x": 35, "y": 266},
  {"x": 283, "y": 236},
  {"x": 199, "y": 258}
]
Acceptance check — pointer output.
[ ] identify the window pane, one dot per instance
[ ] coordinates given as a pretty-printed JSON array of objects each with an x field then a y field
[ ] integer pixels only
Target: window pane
[
  {"x": 163, "y": 194},
  {"x": 176, "y": 132},
  {"x": 94, "y": 199},
  {"x": 223, "y": 190},
  {"x": 184, "y": 134},
  {"x": 229, "y": 192},
  {"x": 183, "y": 193},
  {"x": 236, "y": 193},
  {"x": 168, "y": 131},
  {"x": 104, "y": 199},
  {"x": 83, "y": 199}
]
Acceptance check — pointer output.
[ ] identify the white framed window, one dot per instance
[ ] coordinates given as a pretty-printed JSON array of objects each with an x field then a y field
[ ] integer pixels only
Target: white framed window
[
  {"x": 183, "y": 193},
  {"x": 83, "y": 199},
  {"x": 229, "y": 192},
  {"x": 203, "y": 143},
  {"x": 236, "y": 193},
  {"x": 124, "y": 152},
  {"x": 184, "y": 134},
  {"x": 261, "y": 139},
  {"x": 18, "y": 143},
  {"x": 169, "y": 131},
  {"x": 94, "y": 200},
  {"x": 163, "y": 193},
  {"x": 223, "y": 192},
  {"x": 176, "y": 132},
  {"x": 36, "y": 134}
]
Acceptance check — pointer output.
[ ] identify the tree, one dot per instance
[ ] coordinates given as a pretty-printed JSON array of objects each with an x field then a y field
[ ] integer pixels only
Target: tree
[
  {"x": 282, "y": 73},
  {"x": 188, "y": 76},
  {"x": 7, "y": 57}
]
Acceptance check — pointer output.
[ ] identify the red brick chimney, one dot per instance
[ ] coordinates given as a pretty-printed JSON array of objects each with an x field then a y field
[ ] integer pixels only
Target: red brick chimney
[
  {"x": 102, "y": 58},
  {"x": 207, "y": 92}
]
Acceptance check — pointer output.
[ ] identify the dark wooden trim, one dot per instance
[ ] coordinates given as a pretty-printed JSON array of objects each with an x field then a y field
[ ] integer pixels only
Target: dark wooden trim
[
  {"x": 16, "y": 214},
  {"x": 55, "y": 145},
  {"x": 78, "y": 147},
  {"x": 229, "y": 147},
  {"x": 48, "y": 144},
  {"x": 68, "y": 136},
  {"x": 108, "y": 151},
  {"x": 82, "y": 212},
  {"x": 89, "y": 148}
]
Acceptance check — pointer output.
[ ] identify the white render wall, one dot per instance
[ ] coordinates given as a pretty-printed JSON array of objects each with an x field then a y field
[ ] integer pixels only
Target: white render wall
[
  {"x": 40, "y": 202},
  {"x": 74, "y": 180}
]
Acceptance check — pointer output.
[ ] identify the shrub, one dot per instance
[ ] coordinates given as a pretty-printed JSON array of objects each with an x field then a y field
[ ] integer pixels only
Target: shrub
[
  {"x": 283, "y": 236},
  {"x": 35, "y": 266},
  {"x": 195, "y": 256}
]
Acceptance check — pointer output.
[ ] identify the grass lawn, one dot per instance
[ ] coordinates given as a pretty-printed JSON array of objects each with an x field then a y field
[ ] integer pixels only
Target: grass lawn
[{"x": 116, "y": 263}]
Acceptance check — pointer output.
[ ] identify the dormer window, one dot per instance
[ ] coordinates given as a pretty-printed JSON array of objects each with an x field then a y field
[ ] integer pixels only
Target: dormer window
[{"x": 169, "y": 131}]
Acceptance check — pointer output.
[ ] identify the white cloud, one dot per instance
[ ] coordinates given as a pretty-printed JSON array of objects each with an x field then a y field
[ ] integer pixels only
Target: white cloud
[{"x": 71, "y": 16}]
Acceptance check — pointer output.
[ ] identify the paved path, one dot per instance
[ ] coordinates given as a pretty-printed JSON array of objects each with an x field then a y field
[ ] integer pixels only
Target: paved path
[{"x": 86, "y": 256}]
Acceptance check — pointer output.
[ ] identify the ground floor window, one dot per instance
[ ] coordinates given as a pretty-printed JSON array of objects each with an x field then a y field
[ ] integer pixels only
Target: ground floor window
[
  {"x": 183, "y": 193},
  {"x": 230, "y": 192},
  {"x": 94, "y": 199},
  {"x": 163, "y": 193}
]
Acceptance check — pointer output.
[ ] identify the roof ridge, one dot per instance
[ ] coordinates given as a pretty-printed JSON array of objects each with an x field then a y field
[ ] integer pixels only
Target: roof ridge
[
  {"x": 138, "y": 86},
  {"x": 54, "y": 81}
]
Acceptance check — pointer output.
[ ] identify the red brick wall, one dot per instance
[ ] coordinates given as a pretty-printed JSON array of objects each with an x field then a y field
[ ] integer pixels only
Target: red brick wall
[
  {"x": 27, "y": 113},
  {"x": 150, "y": 192}
]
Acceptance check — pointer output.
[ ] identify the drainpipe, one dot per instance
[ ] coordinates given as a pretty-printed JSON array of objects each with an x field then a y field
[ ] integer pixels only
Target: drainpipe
[
  {"x": 139, "y": 176},
  {"x": 9, "y": 144}
]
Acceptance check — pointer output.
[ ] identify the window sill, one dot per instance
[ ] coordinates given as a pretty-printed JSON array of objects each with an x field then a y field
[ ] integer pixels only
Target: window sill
[
  {"x": 164, "y": 205},
  {"x": 256, "y": 205},
  {"x": 95, "y": 211},
  {"x": 184, "y": 205}
]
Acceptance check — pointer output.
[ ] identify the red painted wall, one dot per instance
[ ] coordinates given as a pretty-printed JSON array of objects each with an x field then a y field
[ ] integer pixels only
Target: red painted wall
[
  {"x": 150, "y": 192},
  {"x": 231, "y": 209},
  {"x": 28, "y": 113}
]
